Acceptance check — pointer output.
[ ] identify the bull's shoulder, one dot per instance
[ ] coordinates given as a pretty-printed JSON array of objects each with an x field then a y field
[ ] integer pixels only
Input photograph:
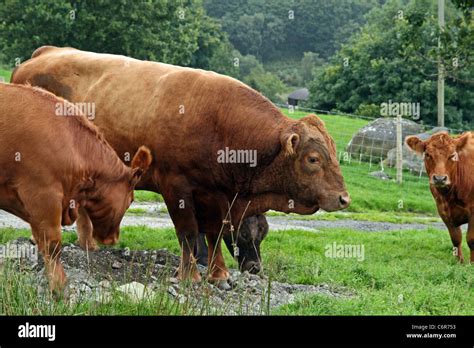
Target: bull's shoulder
[{"x": 42, "y": 50}]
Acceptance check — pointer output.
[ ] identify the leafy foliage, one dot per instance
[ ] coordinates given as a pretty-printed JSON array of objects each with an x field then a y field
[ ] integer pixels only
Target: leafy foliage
[
  {"x": 168, "y": 31},
  {"x": 394, "y": 57},
  {"x": 281, "y": 28}
]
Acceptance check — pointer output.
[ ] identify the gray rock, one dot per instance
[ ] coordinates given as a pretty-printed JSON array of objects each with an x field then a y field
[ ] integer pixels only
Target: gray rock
[
  {"x": 136, "y": 291},
  {"x": 411, "y": 160},
  {"x": 172, "y": 291},
  {"x": 116, "y": 265},
  {"x": 223, "y": 285},
  {"x": 105, "y": 284},
  {"x": 373, "y": 141},
  {"x": 380, "y": 175}
]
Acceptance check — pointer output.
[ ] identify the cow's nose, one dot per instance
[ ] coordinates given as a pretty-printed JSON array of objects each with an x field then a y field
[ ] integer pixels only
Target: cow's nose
[
  {"x": 344, "y": 200},
  {"x": 440, "y": 179},
  {"x": 252, "y": 267}
]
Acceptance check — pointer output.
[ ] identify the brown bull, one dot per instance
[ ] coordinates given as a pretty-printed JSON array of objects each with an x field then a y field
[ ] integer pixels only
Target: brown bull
[
  {"x": 53, "y": 166},
  {"x": 449, "y": 163},
  {"x": 214, "y": 139}
]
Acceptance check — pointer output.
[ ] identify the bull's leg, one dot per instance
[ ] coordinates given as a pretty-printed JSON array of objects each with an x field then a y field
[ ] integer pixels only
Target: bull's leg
[
  {"x": 84, "y": 230},
  {"x": 470, "y": 238},
  {"x": 216, "y": 264},
  {"x": 187, "y": 236},
  {"x": 456, "y": 238},
  {"x": 181, "y": 210},
  {"x": 201, "y": 249}
]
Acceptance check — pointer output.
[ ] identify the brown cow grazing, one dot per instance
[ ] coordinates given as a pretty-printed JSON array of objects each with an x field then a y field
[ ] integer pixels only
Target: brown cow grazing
[
  {"x": 53, "y": 166},
  {"x": 449, "y": 163},
  {"x": 218, "y": 143}
]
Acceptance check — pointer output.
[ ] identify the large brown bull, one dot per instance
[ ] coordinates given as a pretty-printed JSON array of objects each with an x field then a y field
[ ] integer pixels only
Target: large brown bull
[
  {"x": 223, "y": 151},
  {"x": 449, "y": 163},
  {"x": 54, "y": 166}
]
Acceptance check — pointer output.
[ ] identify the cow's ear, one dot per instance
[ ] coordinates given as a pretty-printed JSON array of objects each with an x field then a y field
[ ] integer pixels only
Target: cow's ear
[
  {"x": 462, "y": 141},
  {"x": 416, "y": 144},
  {"x": 289, "y": 143},
  {"x": 140, "y": 163}
]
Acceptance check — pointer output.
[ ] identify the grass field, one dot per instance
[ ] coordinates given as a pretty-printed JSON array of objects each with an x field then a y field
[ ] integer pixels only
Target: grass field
[
  {"x": 5, "y": 74},
  {"x": 402, "y": 273}
]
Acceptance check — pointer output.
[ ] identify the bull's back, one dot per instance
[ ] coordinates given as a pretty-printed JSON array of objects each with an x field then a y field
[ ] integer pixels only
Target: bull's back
[{"x": 135, "y": 101}]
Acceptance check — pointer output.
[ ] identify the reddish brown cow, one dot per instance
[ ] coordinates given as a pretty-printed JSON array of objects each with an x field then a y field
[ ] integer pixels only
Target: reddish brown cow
[
  {"x": 189, "y": 118},
  {"x": 449, "y": 163},
  {"x": 53, "y": 166}
]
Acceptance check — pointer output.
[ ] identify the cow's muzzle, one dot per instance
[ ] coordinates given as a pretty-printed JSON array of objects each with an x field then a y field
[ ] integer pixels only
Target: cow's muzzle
[{"x": 440, "y": 180}]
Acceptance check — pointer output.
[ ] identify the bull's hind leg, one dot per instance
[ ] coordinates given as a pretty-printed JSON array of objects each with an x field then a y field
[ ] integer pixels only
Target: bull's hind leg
[
  {"x": 456, "y": 238},
  {"x": 84, "y": 230}
]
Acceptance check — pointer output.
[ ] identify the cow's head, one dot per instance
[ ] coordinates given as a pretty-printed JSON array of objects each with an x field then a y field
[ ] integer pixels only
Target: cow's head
[
  {"x": 107, "y": 206},
  {"x": 441, "y": 156},
  {"x": 315, "y": 179},
  {"x": 250, "y": 235}
]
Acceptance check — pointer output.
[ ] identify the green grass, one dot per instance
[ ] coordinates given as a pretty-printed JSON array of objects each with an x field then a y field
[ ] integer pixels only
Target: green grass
[
  {"x": 6, "y": 74},
  {"x": 372, "y": 194},
  {"x": 392, "y": 217},
  {"x": 406, "y": 273},
  {"x": 341, "y": 128},
  {"x": 147, "y": 196},
  {"x": 403, "y": 273}
]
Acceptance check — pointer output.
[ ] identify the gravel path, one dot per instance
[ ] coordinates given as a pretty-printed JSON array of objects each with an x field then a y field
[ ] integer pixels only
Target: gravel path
[
  {"x": 155, "y": 219},
  {"x": 143, "y": 274}
]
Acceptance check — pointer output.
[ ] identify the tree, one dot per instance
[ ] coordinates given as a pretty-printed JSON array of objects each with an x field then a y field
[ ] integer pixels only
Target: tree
[
  {"x": 168, "y": 31},
  {"x": 394, "y": 58},
  {"x": 287, "y": 28}
]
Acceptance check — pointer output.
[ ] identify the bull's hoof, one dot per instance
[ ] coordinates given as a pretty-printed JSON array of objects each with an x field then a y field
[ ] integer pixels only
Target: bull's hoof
[
  {"x": 223, "y": 285},
  {"x": 218, "y": 275},
  {"x": 195, "y": 276},
  {"x": 88, "y": 245}
]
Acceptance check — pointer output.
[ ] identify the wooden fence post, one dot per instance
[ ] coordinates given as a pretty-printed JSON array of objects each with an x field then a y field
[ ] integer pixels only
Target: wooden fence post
[{"x": 399, "y": 149}]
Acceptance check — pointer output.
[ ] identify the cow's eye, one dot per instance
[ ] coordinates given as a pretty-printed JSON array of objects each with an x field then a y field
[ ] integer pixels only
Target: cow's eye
[
  {"x": 454, "y": 157},
  {"x": 313, "y": 160},
  {"x": 427, "y": 156}
]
